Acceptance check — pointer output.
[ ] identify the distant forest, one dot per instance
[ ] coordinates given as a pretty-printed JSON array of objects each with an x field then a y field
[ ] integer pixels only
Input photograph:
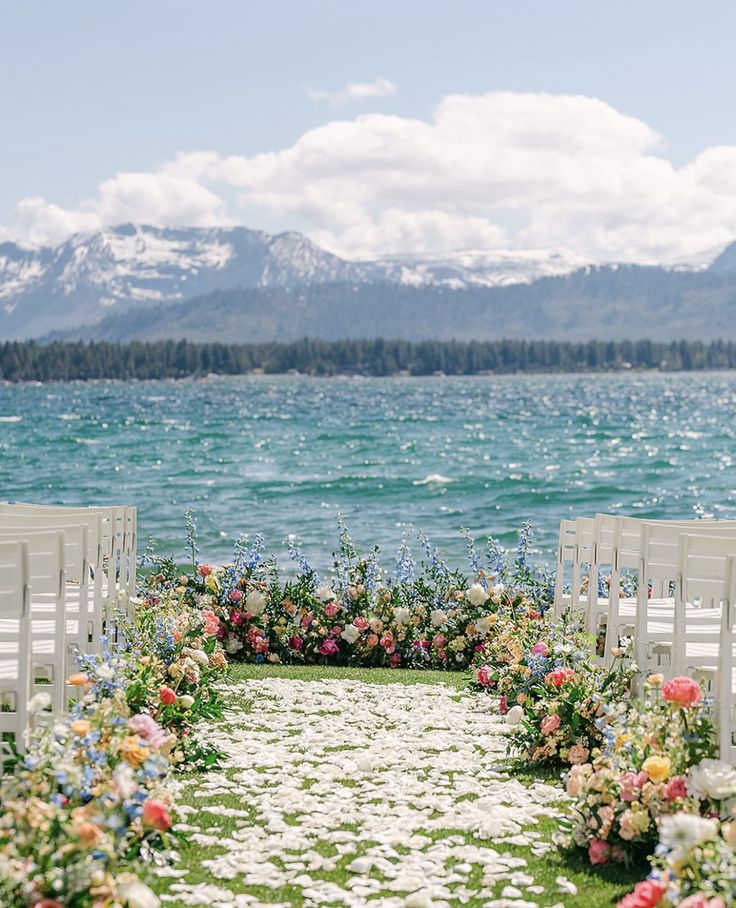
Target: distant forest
[{"x": 65, "y": 361}]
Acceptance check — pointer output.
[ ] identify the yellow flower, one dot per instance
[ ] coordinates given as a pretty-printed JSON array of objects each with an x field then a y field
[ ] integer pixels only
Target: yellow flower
[
  {"x": 658, "y": 768},
  {"x": 81, "y": 727},
  {"x": 132, "y": 751},
  {"x": 620, "y": 741}
]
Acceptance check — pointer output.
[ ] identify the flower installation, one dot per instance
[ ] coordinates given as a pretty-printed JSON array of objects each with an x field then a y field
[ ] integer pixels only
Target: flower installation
[
  {"x": 90, "y": 799},
  {"x": 415, "y": 616}
]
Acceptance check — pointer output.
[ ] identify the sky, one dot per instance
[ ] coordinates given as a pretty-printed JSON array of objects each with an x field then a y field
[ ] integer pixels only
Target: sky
[{"x": 376, "y": 128}]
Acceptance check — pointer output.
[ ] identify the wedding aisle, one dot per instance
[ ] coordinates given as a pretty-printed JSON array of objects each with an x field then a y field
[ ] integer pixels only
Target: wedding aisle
[{"x": 340, "y": 792}]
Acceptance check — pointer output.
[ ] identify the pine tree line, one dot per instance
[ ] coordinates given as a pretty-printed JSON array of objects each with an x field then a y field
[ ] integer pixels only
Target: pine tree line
[{"x": 65, "y": 361}]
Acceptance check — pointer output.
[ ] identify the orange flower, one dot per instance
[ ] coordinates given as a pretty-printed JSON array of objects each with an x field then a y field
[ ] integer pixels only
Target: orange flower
[
  {"x": 133, "y": 751},
  {"x": 81, "y": 727},
  {"x": 79, "y": 679}
]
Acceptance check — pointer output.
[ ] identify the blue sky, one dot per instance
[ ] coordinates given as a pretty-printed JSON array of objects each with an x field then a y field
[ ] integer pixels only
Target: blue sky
[{"x": 91, "y": 90}]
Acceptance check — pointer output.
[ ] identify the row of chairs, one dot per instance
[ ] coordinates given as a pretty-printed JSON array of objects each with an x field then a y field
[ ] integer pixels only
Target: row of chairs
[
  {"x": 63, "y": 574},
  {"x": 680, "y": 616}
]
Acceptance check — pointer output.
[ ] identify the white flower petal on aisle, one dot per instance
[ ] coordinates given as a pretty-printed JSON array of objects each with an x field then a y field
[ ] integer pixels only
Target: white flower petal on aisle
[{"x": 408, "y": 779}]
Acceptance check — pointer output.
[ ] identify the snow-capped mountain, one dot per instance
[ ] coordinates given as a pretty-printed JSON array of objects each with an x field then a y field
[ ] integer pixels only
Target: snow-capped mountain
[{"x": 84, "y": 279}]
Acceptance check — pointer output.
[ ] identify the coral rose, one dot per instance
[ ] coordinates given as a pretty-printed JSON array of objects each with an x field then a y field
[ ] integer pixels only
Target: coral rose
[
  {"x": 682, "y": 690},
  {"x": 156, "y": 815},
  {"x": 676, "y": 788},
  {"x": 167, "y": 696},
  {"x": 205, "y": 570},
  {"x": 646, "y": 894}
]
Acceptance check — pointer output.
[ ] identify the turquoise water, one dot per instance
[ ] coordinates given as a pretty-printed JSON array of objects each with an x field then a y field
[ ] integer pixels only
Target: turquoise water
[{"x": 282, "y": 455}]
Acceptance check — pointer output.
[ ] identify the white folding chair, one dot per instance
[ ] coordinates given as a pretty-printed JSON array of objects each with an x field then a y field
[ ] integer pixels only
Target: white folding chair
[
  {"x": 15, "y": 648},
  {"x": 565, "y": 556},
  {"x": 48, "y": 615}
]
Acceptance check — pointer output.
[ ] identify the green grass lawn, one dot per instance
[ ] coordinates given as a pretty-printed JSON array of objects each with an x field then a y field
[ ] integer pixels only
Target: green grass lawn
[{"x": 596, "y": 887}]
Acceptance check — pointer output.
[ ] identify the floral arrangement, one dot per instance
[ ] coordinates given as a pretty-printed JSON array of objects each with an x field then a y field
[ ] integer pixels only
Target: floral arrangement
[
  {"x": 90, "y": 799},
  {"x": 417, "y": 615},
  {"x": 656, "y": 762}
]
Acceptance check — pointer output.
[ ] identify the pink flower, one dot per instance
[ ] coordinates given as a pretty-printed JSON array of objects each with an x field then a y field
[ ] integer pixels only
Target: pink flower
[
  {"x": 296, "y": 642},
  {"x": 676, "y": 788},
  {"x": 236, "y": 618},
  {"x": 682, "y": 690},
  {"x": 307, "y": 621},
  {"x": 503, "y": 706},
  {"x": 700, "y": 901},
  {"x": 167, "y": 696},
  {"x": 261, "y": 645},
  {"x": 631, "y": 783},
  {"x": 550, "y": 724},
  {"x": 560, "y": 676},
  {"x": 337, "y": 630},
  {"x": 438, "y": 641},
  {"x": 205, "y": 570},
  {"x": 147, "y": 727},
  {"x": 646, "y": 894},
  {"x": 540, "y": 649},
  {"x": 329, "y": 647},
  {"x": 577, "y": 754},
  {"x": 156, "y": 815},
  {"x": 395, "y": 660},
  {"x": 211, "y": 622},
  {"x": 388, "y": 643},
  {"x": 599, "y": 852},
  {"x": 361, "y": 623},
  {"x": 236, "y": 595},
  {"x": 332, "y": 609},
  {"x": 483, "y": 676}
]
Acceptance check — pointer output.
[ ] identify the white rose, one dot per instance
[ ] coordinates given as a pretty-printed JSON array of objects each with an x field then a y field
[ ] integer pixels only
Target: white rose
[
  {"x": 325, "y": 593},
  {"x": 255, "y": 602},
  {"x": 135, "y": 894},
  {"x": 350, "y": 633},
  {"x": 402, "y": 615},
  {"x": 39, "y": 702},
  {"x": 200, "y": 656},
  {"x": 476, "y": 594},
  {"x": 712, "y": 779},
  {"x": 482, "y": 626},
  {"x": 438, "y": 617},
  {"x": 232, "y": 645},
  {"x": 514, "y": 715},
  {"x": 186, "y": 701}
]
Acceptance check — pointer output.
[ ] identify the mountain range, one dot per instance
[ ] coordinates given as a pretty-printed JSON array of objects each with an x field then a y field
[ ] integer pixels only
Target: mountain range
[{"x": 136, "y": 281}]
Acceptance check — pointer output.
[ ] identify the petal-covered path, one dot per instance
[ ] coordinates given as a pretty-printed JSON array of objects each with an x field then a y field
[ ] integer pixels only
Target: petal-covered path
[{"x": 341, "y": 792}]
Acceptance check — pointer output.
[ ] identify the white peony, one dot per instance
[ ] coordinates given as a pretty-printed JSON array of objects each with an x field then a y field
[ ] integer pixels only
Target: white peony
[
  {"x": 186, "y": 701},
  {"x": 135, "y": 894},
  {"x": 476, "y": 594},
  {"x": 350, "y": 633},
  {"x": 200, "y": 656},
  {"x": 402, "y": 615},
  {"x": 325, "y": 593},
  {"x": 438, "y": 617},
  {"x": 482, "y": 626},
  {"x": 514, "y": 715},
  {"x": 39, "y": 702},
  {"x": 712, "y": 779},
  {"x": 255, "y": 602},
  {"x": 683, "y": 831}
]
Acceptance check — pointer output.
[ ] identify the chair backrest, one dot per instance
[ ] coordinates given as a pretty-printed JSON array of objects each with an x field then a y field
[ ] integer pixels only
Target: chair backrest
[
  {"x": 91, "y": 523},
  {"x": 704, "y": 565},
  {"x": 15, "y": 651},
  {"x": 566, "y": 548},
  {"x": 76, "y": 565}
]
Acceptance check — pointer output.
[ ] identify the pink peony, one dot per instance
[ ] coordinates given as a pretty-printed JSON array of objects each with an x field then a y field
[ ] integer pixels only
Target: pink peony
[
  {"x": 483, "y": 676},
  {"x": 296, "y": 642},
  {"x": 236, "y": 618},
  {"x": 438, "y": 641},
  {"x": 682, "y": 690},
  {"x": 236, "y": 595},
  {"x": 676, "y": 788},
  {"x": 332, "y": 609},
  {"x": 261, "y": 645},
  {"x": 550, "y": 724},
  {"x": 361, "y": 623},
  {"x": 388, "y": 643},
  {"x": 631, "y": 783},
  {"x": 147, "y": 727},
  {"x": 700, "y": 901},
  {"x": 599, "y": 852},
  {"x": 336, "y": 630},
  {"x": 540, "y": 649},
  {"x": 211, "y": 622},
  {"x": 646, "y": 894},
  {"x": 205, "y": 570},
  {"x": 329, "y": 647}
]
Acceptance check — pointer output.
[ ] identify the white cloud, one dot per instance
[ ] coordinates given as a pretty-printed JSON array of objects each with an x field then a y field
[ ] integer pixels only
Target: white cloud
[
  {"x": 487, "y": 171},
  {"x": 354, "y": 91}
]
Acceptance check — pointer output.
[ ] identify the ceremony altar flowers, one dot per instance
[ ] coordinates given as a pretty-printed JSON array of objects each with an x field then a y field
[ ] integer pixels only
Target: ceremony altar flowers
[
  {"x": 90, "y": 801},
  {"x": 657, "y": 760},
  {"x": 422, "y": 615}
]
